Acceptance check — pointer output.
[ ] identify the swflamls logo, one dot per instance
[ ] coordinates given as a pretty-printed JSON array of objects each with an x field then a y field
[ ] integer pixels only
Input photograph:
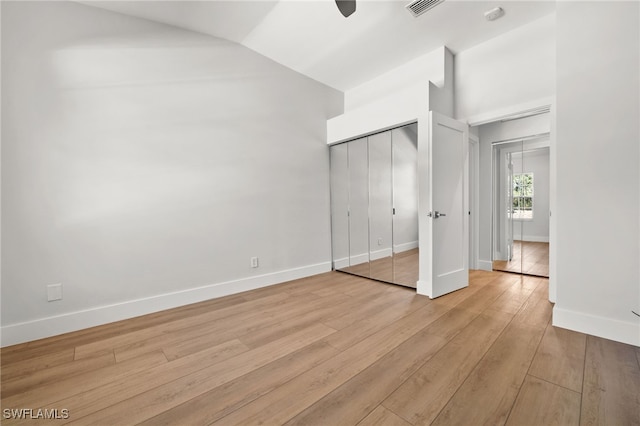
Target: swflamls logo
[{"x": 34, "y": 414}]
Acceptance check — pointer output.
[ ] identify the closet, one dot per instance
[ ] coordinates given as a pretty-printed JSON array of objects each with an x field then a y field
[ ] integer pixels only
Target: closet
[
  {"x": 521, "y": 195},
  {"x": 374, "y": 206}
]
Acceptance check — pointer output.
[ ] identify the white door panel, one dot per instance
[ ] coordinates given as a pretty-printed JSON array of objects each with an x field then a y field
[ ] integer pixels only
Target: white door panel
[{"x": 449, "y": 218}]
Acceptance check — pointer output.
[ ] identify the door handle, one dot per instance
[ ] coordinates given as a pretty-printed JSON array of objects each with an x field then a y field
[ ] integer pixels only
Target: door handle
[{"x": 436, "y": 214}]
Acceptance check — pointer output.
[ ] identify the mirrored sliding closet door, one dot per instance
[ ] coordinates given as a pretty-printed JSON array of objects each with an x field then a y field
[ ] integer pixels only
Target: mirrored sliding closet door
[
  {"x": 521, "y": 206},
  {"x": 374, "y": 206}
]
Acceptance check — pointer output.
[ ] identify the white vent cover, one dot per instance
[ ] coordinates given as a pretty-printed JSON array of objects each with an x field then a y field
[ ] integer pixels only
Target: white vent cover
[{"x": 419, "y": 7}]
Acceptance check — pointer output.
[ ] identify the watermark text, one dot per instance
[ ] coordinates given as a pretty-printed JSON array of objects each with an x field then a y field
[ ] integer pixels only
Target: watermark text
[{"x": 35, "y": 413}]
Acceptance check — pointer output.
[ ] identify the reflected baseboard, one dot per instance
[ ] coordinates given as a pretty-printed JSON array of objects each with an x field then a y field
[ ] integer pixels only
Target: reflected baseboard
[{"x": 399, "y": 248}]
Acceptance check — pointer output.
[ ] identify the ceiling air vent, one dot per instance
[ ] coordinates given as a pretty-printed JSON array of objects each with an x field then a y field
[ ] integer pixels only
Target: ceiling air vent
[{"x": 419, "y": 7}]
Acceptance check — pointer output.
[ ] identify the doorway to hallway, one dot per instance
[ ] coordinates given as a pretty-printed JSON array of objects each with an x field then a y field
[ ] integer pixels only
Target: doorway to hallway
[{"x": 514, "y": 193}]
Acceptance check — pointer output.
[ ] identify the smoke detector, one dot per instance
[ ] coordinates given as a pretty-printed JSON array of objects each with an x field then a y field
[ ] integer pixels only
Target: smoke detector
[
  {"x": 493, "y": 14},
  {"x": 419, "y": 7}
]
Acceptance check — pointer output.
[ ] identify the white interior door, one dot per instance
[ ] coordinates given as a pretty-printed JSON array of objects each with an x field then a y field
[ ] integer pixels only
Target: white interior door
[{"x": 448, "y": 238}]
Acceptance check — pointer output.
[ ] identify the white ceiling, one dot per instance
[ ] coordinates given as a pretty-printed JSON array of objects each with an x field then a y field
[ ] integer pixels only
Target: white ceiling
[{"x": 313, "y": 38}]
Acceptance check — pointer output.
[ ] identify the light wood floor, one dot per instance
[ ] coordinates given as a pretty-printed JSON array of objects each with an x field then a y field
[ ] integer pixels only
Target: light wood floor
[
  {"x": 529, "y": 257},
  {"x": 334, "y": 349},
  {"x": 401, "y": 268}
]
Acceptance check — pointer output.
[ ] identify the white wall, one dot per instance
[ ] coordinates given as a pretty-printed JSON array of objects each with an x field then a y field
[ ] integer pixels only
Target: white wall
[
  {"x": 418, "y": 72},
  {"x": 142, "y": 167},
  {"x": 516, "y": 68},
  {"x": 598, "y": 168}
]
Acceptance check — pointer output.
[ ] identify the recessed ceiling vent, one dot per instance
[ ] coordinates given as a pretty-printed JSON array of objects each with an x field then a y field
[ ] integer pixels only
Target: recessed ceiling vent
[{"x": 419, "y": 7}]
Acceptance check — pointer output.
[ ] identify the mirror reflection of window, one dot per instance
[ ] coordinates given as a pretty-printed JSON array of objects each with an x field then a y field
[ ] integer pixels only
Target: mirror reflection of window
[{"x": 523, "y": 196}]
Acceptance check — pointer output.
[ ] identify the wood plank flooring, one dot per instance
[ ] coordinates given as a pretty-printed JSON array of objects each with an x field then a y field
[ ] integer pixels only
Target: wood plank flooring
[
  {"x": 531, "y": 258},
  {"x": 333, "y": 349},
  {"x": 401, "y": 268}
]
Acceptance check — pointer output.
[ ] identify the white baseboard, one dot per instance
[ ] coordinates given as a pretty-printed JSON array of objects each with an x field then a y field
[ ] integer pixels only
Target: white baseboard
[
  {"x": 424, "y": 288},
  {"x": 612, "y": 329},
  {"x": 341, "y": 263},
  {"x": 359, "y": 259},
  {"x": 373, "y": 255},
  {"x": 399, "y": 248},
  {"x": 380, "y": 254},
  {"x": 13, "y": 334},
  {"x": 485, "y": 265}
]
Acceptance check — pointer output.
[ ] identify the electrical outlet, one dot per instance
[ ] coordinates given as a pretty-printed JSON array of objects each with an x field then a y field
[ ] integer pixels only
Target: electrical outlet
[
  {"x": 254, "y": 262},
  {"x": 54, "y": 292},
  {"x": 379, "y": 241}
]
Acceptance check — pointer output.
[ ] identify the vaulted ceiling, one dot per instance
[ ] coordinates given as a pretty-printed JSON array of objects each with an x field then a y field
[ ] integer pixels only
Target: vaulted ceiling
[{"x": 313, "y": 38}]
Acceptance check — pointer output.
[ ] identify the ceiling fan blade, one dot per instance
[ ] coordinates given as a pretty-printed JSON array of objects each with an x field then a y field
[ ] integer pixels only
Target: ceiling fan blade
[{"x": 346, "y": 7}]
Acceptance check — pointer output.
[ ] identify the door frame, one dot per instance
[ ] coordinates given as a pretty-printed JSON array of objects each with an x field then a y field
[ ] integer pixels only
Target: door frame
[
  {"x": 521, "y": 110},
  {"x": 474, "y": 202}
]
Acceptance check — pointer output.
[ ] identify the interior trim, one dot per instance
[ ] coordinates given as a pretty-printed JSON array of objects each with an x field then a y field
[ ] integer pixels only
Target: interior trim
[{"x": 51, "y": 326}]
